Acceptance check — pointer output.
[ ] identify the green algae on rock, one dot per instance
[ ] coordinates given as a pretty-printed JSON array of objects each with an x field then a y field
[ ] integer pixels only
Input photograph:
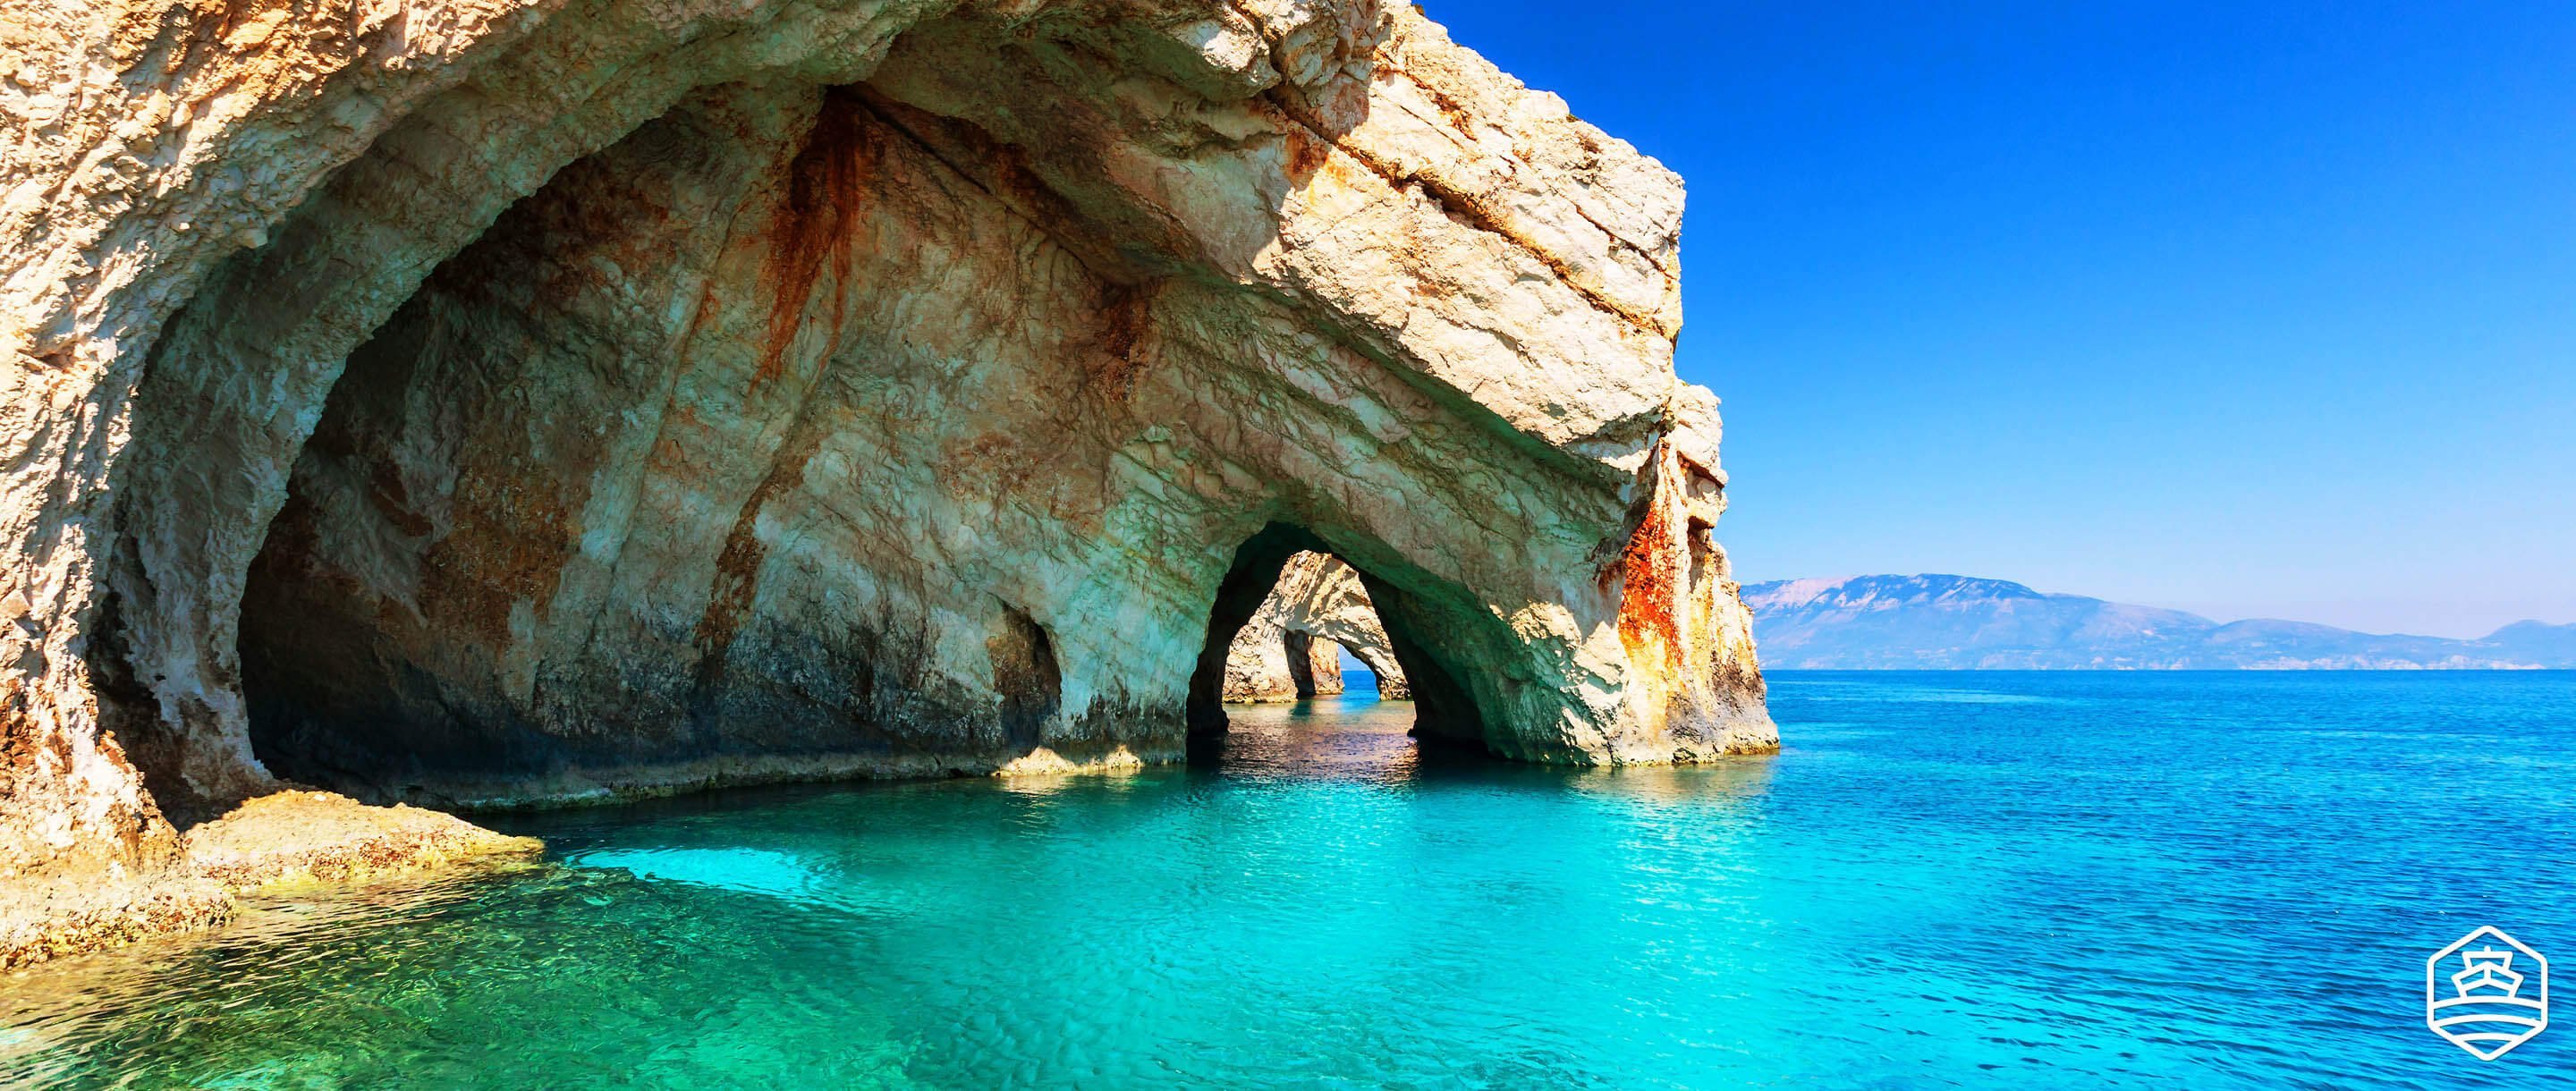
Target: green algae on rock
[{"x": 284, "y": 842}]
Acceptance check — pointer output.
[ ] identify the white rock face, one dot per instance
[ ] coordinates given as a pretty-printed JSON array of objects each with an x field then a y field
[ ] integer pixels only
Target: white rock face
[
  {"x": 1291, "y": 647},
  {"x": 1266, "y": 665},
  {"x": 515, "y": 401}
]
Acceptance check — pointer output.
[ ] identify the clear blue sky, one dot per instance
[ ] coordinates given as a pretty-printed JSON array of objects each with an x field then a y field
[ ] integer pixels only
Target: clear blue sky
[{"x": 2245, "y": 309}]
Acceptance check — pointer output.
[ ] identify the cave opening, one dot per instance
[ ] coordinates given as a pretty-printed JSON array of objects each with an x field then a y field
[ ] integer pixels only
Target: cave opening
[
  {"x": 447, "y": 547},
  {"x": 465, "y": 595},
  {"x": 1313, "y": 636},
  {"x": 1289, "y": 612},
  {"x": 597, "y": 463}
]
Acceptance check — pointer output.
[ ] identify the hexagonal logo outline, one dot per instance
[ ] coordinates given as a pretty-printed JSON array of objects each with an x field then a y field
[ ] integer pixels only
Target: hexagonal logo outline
[{"x": 2483, "y": 1001}]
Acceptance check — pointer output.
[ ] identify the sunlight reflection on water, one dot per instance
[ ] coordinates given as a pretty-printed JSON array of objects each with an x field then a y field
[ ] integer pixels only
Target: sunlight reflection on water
[
  {"x": 2201, "y": 881},
  {"x": 758, "y": 871}
]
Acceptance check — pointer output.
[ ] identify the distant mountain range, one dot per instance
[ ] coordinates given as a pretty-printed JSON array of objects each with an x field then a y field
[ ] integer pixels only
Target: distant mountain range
[{"x": 1965, "y": 623}]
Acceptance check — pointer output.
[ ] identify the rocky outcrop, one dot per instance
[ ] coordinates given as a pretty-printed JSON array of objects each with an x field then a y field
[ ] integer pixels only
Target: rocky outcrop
[
  {"x": 288, "y": 840},
  {"x": 1267, "y": 664},
  {"x": 285, "y": 842},
  {"x": 1291, "y": 647},
  {"x": 512, "y": 401}
]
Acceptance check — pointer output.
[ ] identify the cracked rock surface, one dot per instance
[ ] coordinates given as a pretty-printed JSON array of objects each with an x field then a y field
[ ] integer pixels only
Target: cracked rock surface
[{"x": 521, "y": 401}]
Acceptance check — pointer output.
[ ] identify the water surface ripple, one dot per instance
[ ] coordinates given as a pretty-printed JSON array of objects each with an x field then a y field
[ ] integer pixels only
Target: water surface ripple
[{"x": 1982, "y": 880}]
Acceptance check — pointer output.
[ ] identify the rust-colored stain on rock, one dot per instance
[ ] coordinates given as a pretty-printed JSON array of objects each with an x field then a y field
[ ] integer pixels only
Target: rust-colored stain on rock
[
  {"x": 1650, "y": 599},
  {"x": 1067, "y": 332},
  {"x": 1125, "y": 323},
  {"x": 738, "y": 563},
  {"x": 508, "y": 545},
  {"x": 1307, "y": 153},
  {"x": 824, "y": 185}
]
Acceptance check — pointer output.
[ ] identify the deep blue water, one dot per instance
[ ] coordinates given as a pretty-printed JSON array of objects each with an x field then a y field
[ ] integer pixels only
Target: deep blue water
[{"x": 1982, "y": 880}]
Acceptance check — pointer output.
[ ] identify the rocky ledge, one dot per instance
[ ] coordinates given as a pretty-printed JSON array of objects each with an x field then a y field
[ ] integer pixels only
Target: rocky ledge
[
  {"x": 281, "y": 843},
  {"x": 291, "y": 840},
  {"x": 509, "y": 401}
]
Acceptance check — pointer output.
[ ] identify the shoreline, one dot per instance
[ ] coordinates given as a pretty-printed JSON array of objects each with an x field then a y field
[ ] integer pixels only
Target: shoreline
[{"x": 283, "y": 842}]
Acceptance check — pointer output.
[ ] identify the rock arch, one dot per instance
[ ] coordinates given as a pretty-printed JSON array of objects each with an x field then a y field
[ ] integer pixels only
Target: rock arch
[
  {"x": 624, "y": 396},
  {"x": 1318, "y": 609}
]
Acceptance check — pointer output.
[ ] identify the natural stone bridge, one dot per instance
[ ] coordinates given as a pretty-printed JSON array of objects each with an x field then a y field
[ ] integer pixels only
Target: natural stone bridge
[
  {"x": 1291, "y": 648},
  {"x": 505, "y": 401}
]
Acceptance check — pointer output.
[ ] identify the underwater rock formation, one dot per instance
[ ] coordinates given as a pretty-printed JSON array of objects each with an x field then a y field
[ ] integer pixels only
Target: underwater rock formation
[
  {"x": 284, "y": 842},
  {"x": 507, "y": 401},
  {"x": 1291, "y": 647}
]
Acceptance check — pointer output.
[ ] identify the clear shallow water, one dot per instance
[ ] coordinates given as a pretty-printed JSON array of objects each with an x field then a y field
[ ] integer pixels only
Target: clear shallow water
[{"x": 2009, "y": 880}]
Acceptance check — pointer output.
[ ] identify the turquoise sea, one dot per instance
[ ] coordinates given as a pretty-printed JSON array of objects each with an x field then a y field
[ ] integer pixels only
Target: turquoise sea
[{"x": 1972, "y": 880}]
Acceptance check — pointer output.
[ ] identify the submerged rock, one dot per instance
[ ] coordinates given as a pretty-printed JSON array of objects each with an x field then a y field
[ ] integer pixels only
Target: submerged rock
[
  {"x": 1291, "y": 647},
  {"x": 285, "y": 842},
  {"x": 47, "y": 917},
  {"x": 498, "y": 402}
]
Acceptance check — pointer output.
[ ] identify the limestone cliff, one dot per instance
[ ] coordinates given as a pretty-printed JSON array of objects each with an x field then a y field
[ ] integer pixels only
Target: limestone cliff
[
  {"x": 1290, "y": 648},
  {"x": 514, "y": 400},
  {"x": 1267, "y": 663}
]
